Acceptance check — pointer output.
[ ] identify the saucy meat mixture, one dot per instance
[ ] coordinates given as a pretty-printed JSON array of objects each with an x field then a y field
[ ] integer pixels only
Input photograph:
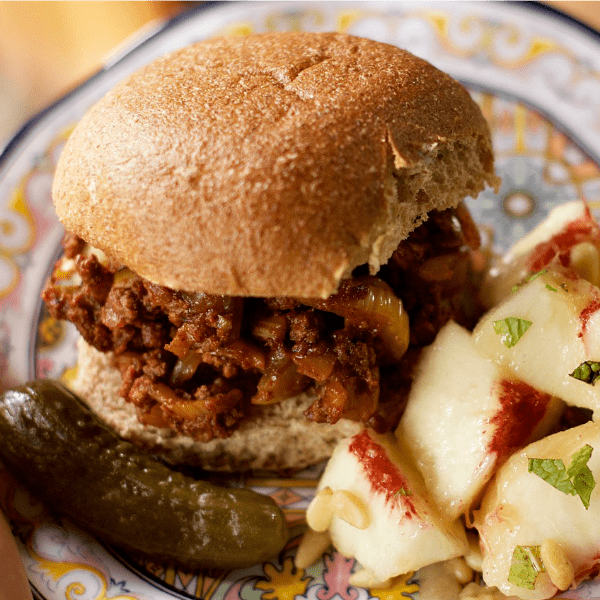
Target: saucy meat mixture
[{"x": 195, "y": 362}]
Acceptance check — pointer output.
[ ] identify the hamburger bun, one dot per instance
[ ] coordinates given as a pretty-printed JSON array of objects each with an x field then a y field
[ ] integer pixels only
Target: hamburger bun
[
  {"x": 276, "y": 437},
  {"x": 270, "y": 165}
]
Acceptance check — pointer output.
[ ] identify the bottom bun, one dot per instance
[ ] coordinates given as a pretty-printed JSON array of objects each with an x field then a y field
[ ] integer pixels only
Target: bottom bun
[{"x": 274, "y": 437}]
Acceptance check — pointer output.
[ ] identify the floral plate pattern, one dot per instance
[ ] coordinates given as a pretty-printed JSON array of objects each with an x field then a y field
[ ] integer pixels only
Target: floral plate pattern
[{"x": 536, "y": 75}]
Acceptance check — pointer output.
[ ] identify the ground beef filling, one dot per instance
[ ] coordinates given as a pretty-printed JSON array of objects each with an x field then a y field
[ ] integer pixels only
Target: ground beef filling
[{"x": 195, "y": 362}]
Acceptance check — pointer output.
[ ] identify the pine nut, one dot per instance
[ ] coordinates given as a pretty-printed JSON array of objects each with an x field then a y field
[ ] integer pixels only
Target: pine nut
[
  {"x": 351, "y": 509},
  {"x": 557, "y": 564},
  {"x": 320, "y": 510},
  {"x": 367, "y": 579},
  {"x": 461, "y": 570},
  {"x": 311, "y": 548}
]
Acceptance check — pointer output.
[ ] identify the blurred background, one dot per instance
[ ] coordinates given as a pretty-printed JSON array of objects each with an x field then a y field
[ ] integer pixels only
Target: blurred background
[{"x": 47, "y": 48}]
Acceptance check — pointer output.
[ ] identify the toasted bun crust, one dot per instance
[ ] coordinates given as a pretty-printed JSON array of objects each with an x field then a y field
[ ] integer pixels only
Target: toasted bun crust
[
  {"x": 270, "y": 165},
  {"x": 275, "y": 437}
]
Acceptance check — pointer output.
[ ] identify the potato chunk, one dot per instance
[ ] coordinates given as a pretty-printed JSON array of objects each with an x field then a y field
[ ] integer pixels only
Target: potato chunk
[
  {"x": 537, "y": 535},
  {"x": 569, "y": 235},
  {"x": 465, "y": 415},
  {"x": 404, "y": 530},
  {"x": 544, "y": 331}
]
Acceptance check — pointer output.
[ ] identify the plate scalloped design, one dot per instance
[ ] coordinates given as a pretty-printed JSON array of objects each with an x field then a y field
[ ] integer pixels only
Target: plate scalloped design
[{"x": 537, "y": 78}]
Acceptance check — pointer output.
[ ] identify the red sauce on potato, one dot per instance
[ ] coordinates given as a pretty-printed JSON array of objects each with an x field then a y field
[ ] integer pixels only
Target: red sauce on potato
[
  {"x": 522, "y": 408},
  {"x": 383, "y": 475}
]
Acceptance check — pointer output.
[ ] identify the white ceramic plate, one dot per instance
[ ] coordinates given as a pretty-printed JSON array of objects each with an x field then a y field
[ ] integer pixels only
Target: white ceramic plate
[{"x": 536, "y": 75}]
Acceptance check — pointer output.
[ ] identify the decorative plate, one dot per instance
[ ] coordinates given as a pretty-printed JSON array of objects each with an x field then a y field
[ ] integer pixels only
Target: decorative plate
[{"x": 536, "y": 75}]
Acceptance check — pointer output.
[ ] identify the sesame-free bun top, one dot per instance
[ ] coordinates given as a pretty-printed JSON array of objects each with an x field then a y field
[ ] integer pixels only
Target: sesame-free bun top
[{"x": 270, "y": 165}]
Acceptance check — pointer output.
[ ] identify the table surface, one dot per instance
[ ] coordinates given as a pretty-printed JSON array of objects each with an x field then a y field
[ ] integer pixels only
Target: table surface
[{"x": 587, "y": 12}]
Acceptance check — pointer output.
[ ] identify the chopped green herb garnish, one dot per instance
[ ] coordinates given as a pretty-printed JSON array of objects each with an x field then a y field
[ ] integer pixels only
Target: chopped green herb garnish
[
  {"x": 525, "y": 566},
  {"x": 581, "y": 475},
  {"x": 552, "y": 471},
  {"x": 511, "y": 329},
  {"x": 528, "y": 279},
  {"x": 534, "y": 275},
  {"x": 552, "y": 289},
  {"x": 577, "y": 479},
  {"x": 588, "y": 372}
]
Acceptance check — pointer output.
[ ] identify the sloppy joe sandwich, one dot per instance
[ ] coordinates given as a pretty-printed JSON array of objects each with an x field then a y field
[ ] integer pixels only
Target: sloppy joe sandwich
[{"x": 262, "y": 232}]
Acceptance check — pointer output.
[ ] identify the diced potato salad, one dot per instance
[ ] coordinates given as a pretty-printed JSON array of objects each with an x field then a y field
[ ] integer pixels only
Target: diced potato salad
[{"x": 482, "y": 474}]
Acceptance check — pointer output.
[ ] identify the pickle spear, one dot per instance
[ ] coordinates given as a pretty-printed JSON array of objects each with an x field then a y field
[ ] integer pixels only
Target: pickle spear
[{"x": 79, "y": 468}]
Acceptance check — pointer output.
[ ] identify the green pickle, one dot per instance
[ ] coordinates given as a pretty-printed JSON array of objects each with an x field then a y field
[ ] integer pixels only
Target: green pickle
[{"x": 79, "y": 468}]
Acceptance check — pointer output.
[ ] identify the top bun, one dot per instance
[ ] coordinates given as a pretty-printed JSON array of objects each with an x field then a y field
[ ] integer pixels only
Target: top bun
[{"x": 270, "y": 165}]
